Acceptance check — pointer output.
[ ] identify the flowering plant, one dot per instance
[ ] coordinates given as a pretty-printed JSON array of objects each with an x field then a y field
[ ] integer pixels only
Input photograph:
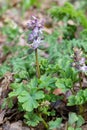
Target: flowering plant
[
  {"x": 46, "y": 98},
  {"x": 35, "y": 38},
  {"x": 79, "y": 61}
]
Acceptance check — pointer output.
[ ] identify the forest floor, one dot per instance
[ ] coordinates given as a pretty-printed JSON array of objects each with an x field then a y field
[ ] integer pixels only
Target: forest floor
[{"x": 11, "y": 119}]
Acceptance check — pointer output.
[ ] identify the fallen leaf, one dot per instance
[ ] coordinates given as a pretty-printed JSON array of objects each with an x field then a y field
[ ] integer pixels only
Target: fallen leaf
[
  {"x": 7, "y": 79},
  {"x": 16, "y": 126},
  {"x": 6, "y": 126},
  {"x": 57, "y": 91},
  {"x": 2, "y": 114},
  {"x": 71, "y": 22},
  {"x": 2, "y": 38}
]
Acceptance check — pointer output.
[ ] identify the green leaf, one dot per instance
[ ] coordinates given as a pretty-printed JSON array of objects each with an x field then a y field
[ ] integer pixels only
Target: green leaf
[
  {"x": 80, "y": 97},
  {"x": 39, "y": 95},
  {"x": 32, "y": 119},
  {"x": 3, "y": 69},
  {"x": 72, "y": 118},
  {"x": 64, "y": 84},
  {"x": 85, "y": 94},
  {"x": 71, "y": 128},
  {"x": 78, "y": 129},
  {"x": 71, "y": 100},
  {"x": 23, "y": 74},
  {"x": 46, "y": 82},
  {"x": 55, "y": 124},
  {"x": 17, "y": 89},
  {"x": 80, "y": 121},
  {"x": 26, "y": 4},
  {"x": 33, "y": 83},
  {"x": 66, "y": 12},
  {"x": 29, "y": 101}
]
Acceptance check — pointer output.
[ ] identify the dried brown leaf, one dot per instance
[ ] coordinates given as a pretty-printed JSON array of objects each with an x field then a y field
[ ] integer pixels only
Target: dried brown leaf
[
  {"x": 57, "y": 91},
  {"x": 2, "y": 114}
]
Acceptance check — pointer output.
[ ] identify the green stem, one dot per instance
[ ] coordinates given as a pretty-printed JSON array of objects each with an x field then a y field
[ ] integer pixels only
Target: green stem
[
  {"x": 73, "y": 92},
  {"x": 44, "y": 122},
  {"x": 81, "y": 108},
  {"x": 37, "y": 64}
]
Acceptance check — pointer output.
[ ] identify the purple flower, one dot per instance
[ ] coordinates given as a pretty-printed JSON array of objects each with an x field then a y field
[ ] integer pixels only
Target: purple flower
[
  {"x": 32, "y": 23},
  {"x": 30, "y": 38},
  {"x": 36, "y": 32},
  {"x": 79, "y": 61},
  {"x": 36, "y": 35},
  {"x": 36, "y": 43},
  {"x": 82, "y": 61},
  {"x": 83, "y": 68}
]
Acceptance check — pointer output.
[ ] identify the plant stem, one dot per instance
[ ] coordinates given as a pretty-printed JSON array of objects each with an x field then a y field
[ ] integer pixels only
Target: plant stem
[
  {"x": 66, "y": 126},
  {"x": 44, "y": 122},
  {"x": 81, "y": 107},
  {"x": 73, "y": 92},
  {"x": 80, "y": 80},
  {"x": 37, "y": 64}
]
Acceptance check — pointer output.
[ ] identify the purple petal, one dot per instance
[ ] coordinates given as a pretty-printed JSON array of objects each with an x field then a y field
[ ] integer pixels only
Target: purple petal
[
  {"x": 30, "y": 38},
  {"x": 36, "y": 43},
  {"x": 35, "y": 37},
  {"x": 83, "y": 68},
  {"x": 31, "y": 25},
  {"x": 35, "y": 32},
  {"x": 33, "y": 17},
  {"x": 82, "y": 61}
]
